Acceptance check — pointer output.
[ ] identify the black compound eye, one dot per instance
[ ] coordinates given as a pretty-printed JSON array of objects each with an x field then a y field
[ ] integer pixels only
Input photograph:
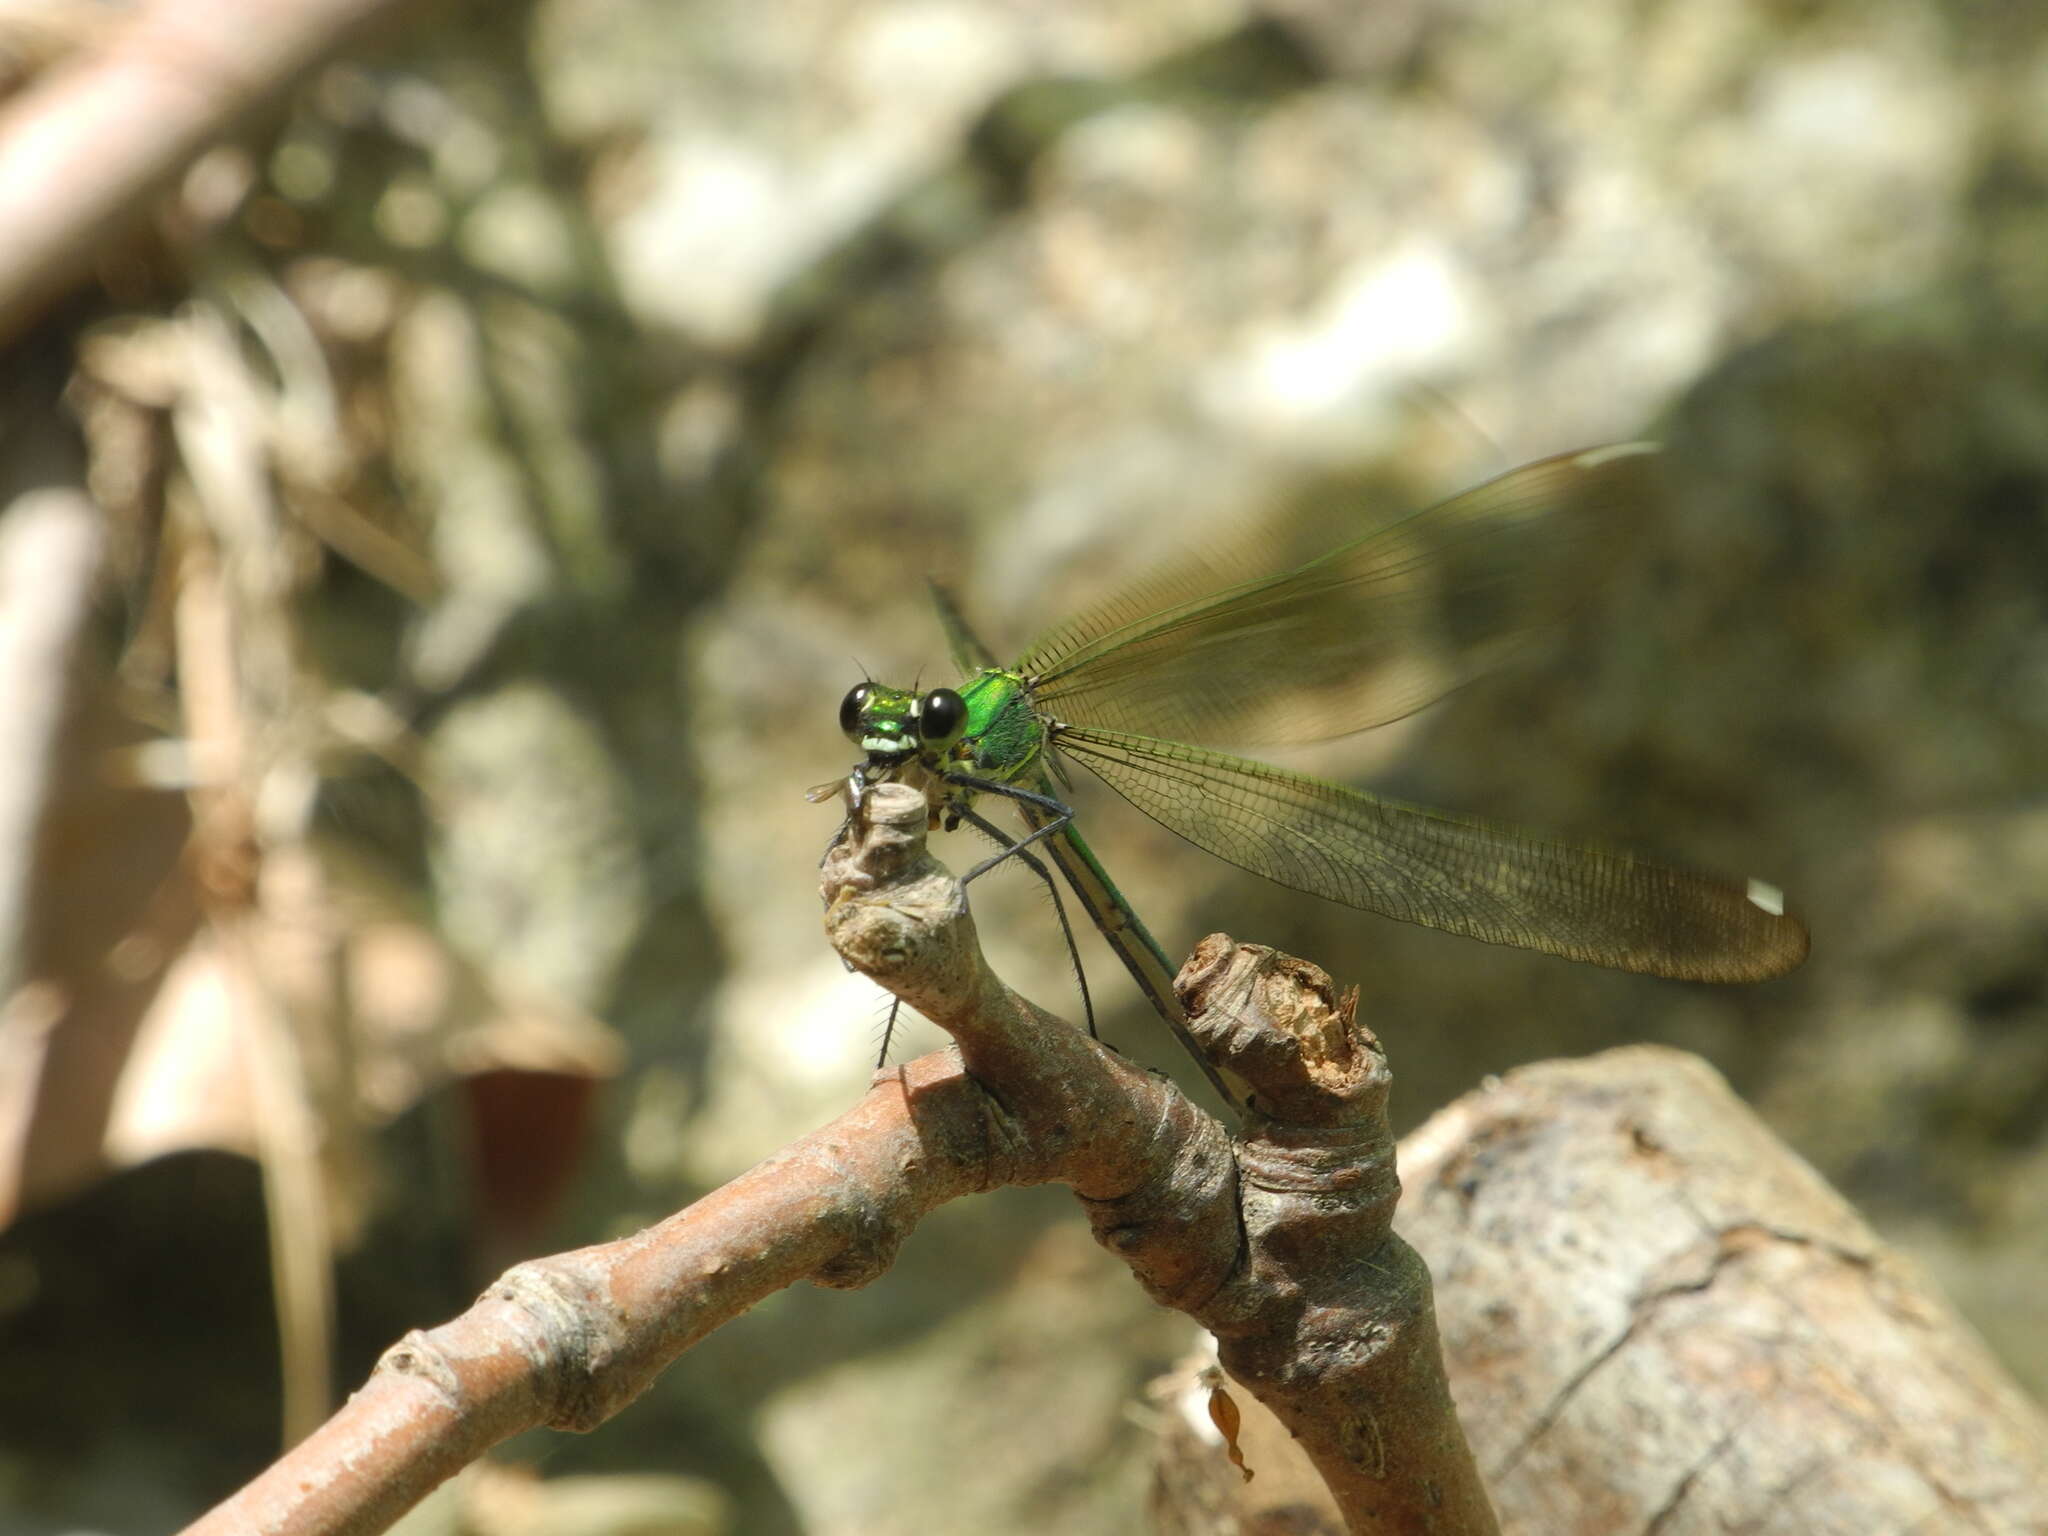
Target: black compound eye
[
  {"x": 850, "y": 709},
  {"x": 941, "y": 717}
]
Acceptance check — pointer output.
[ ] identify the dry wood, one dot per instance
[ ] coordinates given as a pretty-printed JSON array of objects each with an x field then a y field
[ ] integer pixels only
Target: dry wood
[
  {"x": 1278, "y": 1242},
  {"x": 1283, "y": 1249},
  {"x": 1658, "y": 1318}
]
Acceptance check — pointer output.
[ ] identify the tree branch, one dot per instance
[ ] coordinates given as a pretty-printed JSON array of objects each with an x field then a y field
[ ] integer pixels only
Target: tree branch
[
  {"x": 1279, "y": 1243},
  {"x": 569, "y": 1340}
]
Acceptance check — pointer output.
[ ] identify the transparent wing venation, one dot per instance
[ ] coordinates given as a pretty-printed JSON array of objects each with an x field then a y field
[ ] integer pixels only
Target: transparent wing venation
[
  {"x": 1475, "y": 878},
  {"x": 1367, "y": 633}
]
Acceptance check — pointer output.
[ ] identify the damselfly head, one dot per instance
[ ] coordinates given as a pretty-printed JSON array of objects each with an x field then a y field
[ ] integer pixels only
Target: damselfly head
[
  {"x": 881, "y": 721},
  {"x": 893, "y": 725}
]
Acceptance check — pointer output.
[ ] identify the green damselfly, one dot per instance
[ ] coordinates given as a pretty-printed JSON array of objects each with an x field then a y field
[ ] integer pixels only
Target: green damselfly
[{"x": 1143, "y": 688}]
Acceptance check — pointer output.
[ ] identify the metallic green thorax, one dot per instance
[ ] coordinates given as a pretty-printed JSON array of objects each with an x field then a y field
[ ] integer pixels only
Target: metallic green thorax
[{"x": 1004, "y": 736}]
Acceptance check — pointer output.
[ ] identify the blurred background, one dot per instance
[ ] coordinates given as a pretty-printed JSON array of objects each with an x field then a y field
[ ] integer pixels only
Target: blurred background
[{"x": 439, "y": 528}]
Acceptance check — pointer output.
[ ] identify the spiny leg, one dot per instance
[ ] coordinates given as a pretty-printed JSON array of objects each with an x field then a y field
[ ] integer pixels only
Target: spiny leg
[
  {"x": 1014, "y": 848},
  {"x": 1061, "y": 815},
  {"x": 1017, "y": 847},
  {"x": 888, "y": 1034}
]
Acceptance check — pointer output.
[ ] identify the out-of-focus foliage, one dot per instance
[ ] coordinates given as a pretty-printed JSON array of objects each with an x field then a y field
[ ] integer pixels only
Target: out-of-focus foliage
[{"x": 504, "y": 460}]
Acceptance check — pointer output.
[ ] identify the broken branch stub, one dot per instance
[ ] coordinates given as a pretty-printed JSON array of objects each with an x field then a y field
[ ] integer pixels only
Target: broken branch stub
[{"x": 1330, "y": 1320}]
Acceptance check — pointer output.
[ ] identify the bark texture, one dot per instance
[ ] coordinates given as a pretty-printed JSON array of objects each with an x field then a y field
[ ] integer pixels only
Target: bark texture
[{"x": 1656, "y": 1317}]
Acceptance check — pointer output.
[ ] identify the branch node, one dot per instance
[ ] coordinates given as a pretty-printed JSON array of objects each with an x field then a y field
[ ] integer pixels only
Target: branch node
[
  {"x": 872, "y": 1239},
  {"x": 576, "y": 1333},
  {"x": 417, "y": 1355},
  {"x": 1178, "y": 1231}
]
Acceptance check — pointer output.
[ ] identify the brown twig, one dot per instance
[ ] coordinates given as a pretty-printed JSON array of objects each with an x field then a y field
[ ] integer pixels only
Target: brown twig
[
  {"x": 569, "y": 1340},
  {"x": 1279, "y": 1244}
]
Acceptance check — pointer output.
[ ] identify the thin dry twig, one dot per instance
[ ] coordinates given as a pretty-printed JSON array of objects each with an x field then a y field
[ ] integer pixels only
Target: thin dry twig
[{"x": 1277, "y": 1242}]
